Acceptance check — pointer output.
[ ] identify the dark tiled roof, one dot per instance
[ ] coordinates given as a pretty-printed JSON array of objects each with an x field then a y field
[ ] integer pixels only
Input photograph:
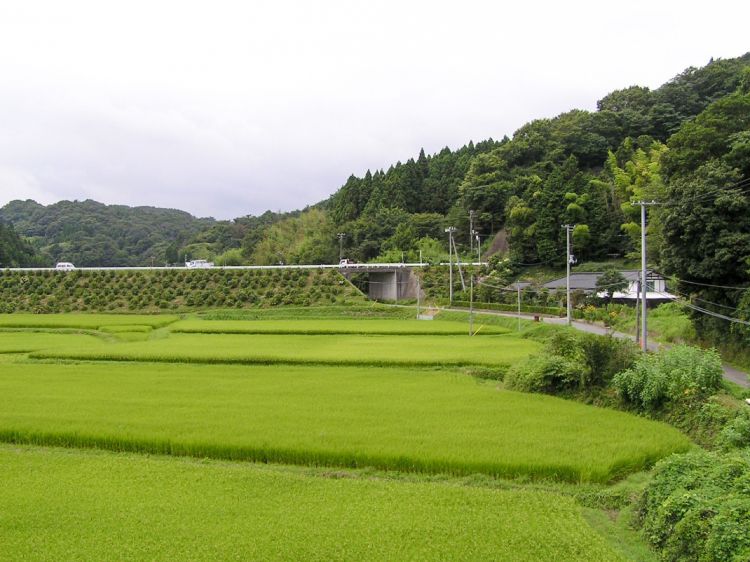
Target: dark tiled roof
[{"x": 587, "y": 281}]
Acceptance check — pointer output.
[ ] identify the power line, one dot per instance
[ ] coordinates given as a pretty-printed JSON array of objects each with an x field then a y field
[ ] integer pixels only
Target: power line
[
  {"x": 708, "y": 312},
  {"x": 717, "y": 315},
  {"x": 690, "y": 298},
  {"x": 707, "y": 284},
  {"x": 709, "y": 302},
  {"x": 712, "y": 192}
]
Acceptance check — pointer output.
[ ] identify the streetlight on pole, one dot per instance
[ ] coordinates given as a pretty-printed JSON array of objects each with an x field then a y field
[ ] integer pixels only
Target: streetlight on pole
[
  {"x": 450, "y": 230},
  {"x": 568, "y": 228},
  {"x": 341, "y": 236}
]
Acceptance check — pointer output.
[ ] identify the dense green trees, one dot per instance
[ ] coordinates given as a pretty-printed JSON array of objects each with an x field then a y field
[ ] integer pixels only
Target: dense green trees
[
  {"x": 308, "y": 238},
  {"x": 92, "y": 234},
  {"x": 390, "y": 211},
  {"x": 706, "y": 215},
  {"x": 14, "y": 251}
]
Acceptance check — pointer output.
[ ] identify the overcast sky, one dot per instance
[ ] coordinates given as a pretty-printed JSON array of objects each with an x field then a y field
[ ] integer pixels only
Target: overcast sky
[{"x": 228, "y": 108}]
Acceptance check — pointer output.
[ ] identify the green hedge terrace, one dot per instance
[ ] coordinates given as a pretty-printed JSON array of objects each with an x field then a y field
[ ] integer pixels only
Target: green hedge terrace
[{"x": 160, "y": 290}]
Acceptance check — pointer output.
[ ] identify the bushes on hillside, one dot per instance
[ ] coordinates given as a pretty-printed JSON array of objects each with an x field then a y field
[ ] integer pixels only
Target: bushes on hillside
[
  {"x": 545, "y": 373},
  {"x": 572, "y": 360},
  {"x": 697, "y": 507},
  {"x": 736, "y": 433},
  {"x": 151, "y": 291},
  {"x": 680, "y": 373}
]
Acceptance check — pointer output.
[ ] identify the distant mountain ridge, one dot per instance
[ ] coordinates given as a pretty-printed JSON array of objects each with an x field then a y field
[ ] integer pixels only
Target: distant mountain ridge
[{"x": 94, "y": 234}]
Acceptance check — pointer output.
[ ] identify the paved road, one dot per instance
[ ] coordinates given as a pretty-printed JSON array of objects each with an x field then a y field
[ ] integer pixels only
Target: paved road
[{"x": 730, "y": 373}]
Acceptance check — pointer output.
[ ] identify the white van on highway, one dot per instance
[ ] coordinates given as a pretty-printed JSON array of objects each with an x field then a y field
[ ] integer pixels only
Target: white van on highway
[
  {"x": 199, "y": 264},
  {"x": 64, "y": 266}
]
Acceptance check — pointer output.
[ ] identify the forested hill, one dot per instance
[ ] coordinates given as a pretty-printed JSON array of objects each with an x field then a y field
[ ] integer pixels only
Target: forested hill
[
  {"x": 570, "y": 168},
  {"x": 92, "y": 234}
]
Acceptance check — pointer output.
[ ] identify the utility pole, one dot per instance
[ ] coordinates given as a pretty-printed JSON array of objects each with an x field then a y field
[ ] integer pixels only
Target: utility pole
[
  {"x": 419, "y": 302},
  {"x": 568, "y": 228},
  {"x": 518, "y": 288},
  {"x": 471, "y": 231},
  {"x": 458, "y": 263},
  {"x": 644, "y": 288},
  {"x": 637, "y": 313},
  {"x": 471, "y": 307},
  {"x": 341, "y": 236},
  {"x": 479, "y": 248},
  {"x": 450, "y": 230}
]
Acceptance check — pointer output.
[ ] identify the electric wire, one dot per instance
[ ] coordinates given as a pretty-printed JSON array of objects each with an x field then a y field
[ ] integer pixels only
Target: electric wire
[
  {"x": 711, "y": 312},
  {"x": 736, "y": 288},
  {"x": 741, "y": 187}
]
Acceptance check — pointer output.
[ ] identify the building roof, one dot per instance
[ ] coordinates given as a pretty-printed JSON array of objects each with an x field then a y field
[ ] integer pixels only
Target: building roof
[{"x": 586, "y": 281}]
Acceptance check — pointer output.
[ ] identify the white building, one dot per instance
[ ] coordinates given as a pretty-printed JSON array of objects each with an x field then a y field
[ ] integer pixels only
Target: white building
[{"x": 656, "y": 286}]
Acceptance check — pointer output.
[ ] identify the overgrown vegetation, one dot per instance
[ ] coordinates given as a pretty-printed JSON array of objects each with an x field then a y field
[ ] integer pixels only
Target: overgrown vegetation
[
  {"x": 680, "y": 373},
  {"x": 572, "y": 361},
  {"x": 696, "y": 507}
]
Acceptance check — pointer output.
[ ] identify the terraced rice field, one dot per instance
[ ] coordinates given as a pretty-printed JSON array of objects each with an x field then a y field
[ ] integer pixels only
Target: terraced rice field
[
  {"x": 396, "y": 398},
  {"x": 25, "y": 341},
  {"x": 330, "y": 326},
  {"x": 411, "y": 420},
  {"x": 84, "y": 321},
  {"x": 335, "y": 350},
  {"x": 74, "y": 505}
]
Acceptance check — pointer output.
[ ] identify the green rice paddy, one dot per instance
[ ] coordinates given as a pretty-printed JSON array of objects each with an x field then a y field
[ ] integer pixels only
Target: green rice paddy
[
  {"x": 339, "y": 350},
  {"x": 84, "y": 321},
  {"x": 330, "y": 326},
  {"x": 251, "y": 406},
  {"x": 76, "y": 505},
  {"x": 25, "y": 341},
  {"x": 409, "y": 420}
]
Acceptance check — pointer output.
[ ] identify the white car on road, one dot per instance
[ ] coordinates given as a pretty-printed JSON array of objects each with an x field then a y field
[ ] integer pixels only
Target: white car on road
[{"x": 199, "y": 264}]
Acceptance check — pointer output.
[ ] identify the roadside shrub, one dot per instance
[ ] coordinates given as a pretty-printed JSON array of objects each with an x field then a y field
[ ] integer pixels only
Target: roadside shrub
[
  {"x": 736, "y": 434},
  {"x": 605, "y": 356},
  {"x": 545, "y": 373},
  {"x": 495, "y": 373},
  {"x": 697, "y": 507},
  {"x": 678, "y": 374},
  {"x": 572, "y": 360}
]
